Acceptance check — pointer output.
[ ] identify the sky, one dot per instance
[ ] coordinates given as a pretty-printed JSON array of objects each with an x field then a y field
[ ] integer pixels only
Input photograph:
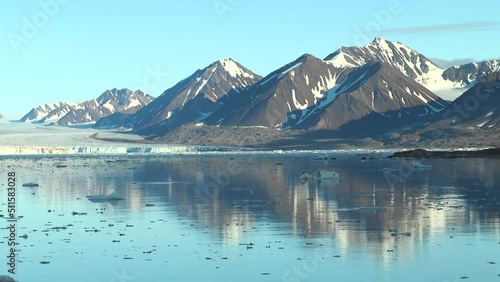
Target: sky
[{"x": 73, "y": 50}]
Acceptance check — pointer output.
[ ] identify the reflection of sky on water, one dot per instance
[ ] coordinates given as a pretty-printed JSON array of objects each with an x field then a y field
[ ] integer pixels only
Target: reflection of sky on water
[{"x": 204, "y": 211}]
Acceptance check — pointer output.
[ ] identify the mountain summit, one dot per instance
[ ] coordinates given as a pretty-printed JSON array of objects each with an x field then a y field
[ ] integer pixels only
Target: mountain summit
[
  {"x": 193, "y": 98},
  {"x": 447, "y": 83}
]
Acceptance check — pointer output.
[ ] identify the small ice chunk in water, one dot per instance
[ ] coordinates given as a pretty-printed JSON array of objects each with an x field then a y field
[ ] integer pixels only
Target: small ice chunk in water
[
  {"x": 319, "y": 175},
  {"x": 115, "y": 196}
]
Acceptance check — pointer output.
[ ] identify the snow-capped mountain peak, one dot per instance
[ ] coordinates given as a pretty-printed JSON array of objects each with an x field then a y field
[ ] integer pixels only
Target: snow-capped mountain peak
[
  {"x": 234, "y": 69},
  {"x": 111, "y": 101},
  {"x": 398, "y": 55},
  {"x": 39, "y": 113},
  {"x": 201, "y": 91},
  {"x": 447, "y": 83},
  {"x": 468, "y": 73}
]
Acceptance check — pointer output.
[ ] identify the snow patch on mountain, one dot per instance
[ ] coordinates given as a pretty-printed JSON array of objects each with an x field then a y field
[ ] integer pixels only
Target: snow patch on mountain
[
  {"x": 287, "y": 71},
  {"x": 327, "y": 99},
  {"x": 233, "y": 69},
  {"x": 297, "y": 104},
  {"x": 447, "y": 83},
  {"x": 324, "y": 84}
]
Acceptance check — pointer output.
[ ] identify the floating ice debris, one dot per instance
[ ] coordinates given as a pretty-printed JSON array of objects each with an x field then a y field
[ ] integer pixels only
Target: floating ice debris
[
  {"x": 323, "y": 158},
  {"x": 319, "y": 175},
  {"x": 115, "y": 196},
  {"x": 388, "y": 169},
  {"x": 328, "y": 175},
  {"x": 395, "y": 233},
  {"x": 305, "y": 176},
  {"x": 419, "y": 165},
  {"x": 5, "y": 278},
  {"x": 250, "y": 244},
  {"x": 31, "y": 184}
]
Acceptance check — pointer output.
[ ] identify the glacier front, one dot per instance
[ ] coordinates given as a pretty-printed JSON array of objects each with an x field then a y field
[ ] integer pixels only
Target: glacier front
[{"x": 19, "y": 138}]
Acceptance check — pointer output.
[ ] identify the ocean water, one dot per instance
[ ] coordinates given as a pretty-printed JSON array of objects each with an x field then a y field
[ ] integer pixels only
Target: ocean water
[{"x": 243, "y": 218}]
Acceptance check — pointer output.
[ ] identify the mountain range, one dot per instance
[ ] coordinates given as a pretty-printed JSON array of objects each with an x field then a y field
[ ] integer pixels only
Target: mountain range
[
  {"x": 190, "y": 100},
  {"x": 111, "y": 101},
  {"x": 360, "y": 91}
]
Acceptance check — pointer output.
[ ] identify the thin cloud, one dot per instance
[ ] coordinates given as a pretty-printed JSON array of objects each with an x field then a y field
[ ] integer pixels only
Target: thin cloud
[
  {"x": 450, "y": 63},
  {"x": 466, "y": 26}
]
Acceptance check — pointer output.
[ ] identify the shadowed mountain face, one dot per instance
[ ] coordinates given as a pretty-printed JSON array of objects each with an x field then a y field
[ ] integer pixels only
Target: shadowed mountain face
[
  {"x": 471, "y": 121},
  {"x": 112, "y": 101},
  {"x": 383, "y": 83},
  {"x": 195, "y": 97},
  {"x": 311, "y": 93},
  {"x": 295, "y": 86},
  {"x": 374, "y": 90},
  {"x": 478, "y": 107},
  {"x": 354, "y": 92}
]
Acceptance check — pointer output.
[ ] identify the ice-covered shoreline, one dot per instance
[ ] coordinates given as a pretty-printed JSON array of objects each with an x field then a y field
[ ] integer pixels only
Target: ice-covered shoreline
[
  {"x": 24, "y": 139},
  {"x": 156, "y": 150},
  {"x": 96, "y": 150},
  {"x": 34, "y": 139}
]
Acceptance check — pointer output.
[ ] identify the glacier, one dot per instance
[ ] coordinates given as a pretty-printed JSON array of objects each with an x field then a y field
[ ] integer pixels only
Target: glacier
[
  {"x": 26, "y": 139},
  {"x": 19, "y": 138}
]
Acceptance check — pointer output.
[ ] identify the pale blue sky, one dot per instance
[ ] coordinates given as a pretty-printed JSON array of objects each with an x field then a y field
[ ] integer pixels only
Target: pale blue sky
[{"x": 76, "y": 49}]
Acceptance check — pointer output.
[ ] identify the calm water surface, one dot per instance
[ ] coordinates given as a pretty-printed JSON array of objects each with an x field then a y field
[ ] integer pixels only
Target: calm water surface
[{"x": 243, "y": 218}]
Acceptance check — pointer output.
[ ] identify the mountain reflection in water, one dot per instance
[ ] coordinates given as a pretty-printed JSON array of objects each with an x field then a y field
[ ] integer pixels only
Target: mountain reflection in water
[{"x": 254, "y": 214}]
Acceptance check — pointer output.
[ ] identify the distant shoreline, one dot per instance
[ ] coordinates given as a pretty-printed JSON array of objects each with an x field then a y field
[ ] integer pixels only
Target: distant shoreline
[
  {"x": 424, "y": 154},
  {"x": 27, "y": 139}
]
